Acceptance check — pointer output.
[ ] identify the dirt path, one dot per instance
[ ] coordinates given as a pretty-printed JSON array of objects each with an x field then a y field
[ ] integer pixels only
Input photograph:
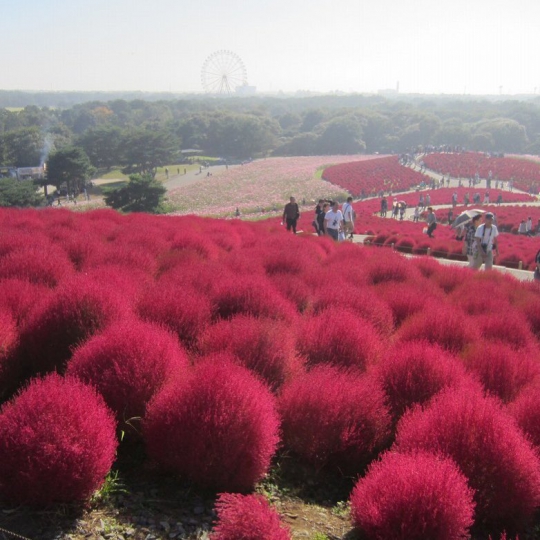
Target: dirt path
[{"x": 192, "y": 177}]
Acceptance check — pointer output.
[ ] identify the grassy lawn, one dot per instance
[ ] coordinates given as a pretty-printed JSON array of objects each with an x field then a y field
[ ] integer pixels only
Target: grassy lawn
[{"x": 117, "y": 174}]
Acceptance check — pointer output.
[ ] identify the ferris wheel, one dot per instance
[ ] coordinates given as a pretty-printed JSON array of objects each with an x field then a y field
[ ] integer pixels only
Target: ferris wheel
[{"x": 223, "y": 72}]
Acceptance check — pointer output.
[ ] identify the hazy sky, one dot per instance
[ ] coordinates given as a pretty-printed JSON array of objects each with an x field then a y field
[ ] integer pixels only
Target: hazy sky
[{"x": 430, "y": 46}]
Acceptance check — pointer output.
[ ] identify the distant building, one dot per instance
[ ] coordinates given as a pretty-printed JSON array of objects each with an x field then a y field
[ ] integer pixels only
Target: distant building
[
  {"x": 31, "y": 173},
  {"x": 23, "y": 173}
]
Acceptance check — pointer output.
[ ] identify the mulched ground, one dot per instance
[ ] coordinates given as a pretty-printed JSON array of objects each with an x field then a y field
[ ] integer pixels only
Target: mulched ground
[{"x": 145, "y": 504}]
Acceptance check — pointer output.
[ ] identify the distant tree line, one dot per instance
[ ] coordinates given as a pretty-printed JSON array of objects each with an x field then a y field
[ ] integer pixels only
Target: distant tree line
[{"x": 141, "y": 135}]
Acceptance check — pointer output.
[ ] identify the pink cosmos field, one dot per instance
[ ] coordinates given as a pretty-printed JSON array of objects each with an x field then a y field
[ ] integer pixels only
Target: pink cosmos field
[{"x": 262, "y": 184}]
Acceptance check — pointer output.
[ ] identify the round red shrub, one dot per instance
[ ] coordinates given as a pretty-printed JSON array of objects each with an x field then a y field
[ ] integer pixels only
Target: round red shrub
[
  {"x": 416, "y": 371},
  {"x": 336, "y": 418},
  {"x": 294, "y": 289},
  {"x": 390, "y": 268},
  {"x": 78, "y": 309},
  {"x": 19, "y": 297},
  {"x": 187, "y": 314},
  {"x": 247, "y": 517},
  {"x": 9, "y": 337},
  {"x": 405, "y": 300},
  {"x": 412, "y": 497},
  {"x": 488, "y": 447},
  {"x": 450, "y": 277},
  {"x": 334, "y": 294},
  {"x": 527, "y": 303},
  {"x": 264, "y": 346},
  {"x": 57, "y": 443},
  {"x": 249, "y": 295},
  {"x": 128, "y": 363},
  {"x": 511, "y": 329},
  {"x": 526, "y": 411},
  {"x": 405, "y": 245},
  {"x": 195, "y": 242},
  {"x": 47, "y": 265},
  {"x": 440, "y": 324},
  {"x": 338, "y": 336},
  {"x": 502, "y": 370},
  {"x": 219, "y": 428}
]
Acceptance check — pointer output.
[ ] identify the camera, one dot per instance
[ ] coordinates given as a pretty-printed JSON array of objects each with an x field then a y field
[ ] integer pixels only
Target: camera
[{"x": 484, "y": 247}]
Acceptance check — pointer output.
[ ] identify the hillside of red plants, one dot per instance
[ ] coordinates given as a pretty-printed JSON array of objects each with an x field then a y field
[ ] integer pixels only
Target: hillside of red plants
[
  {"x": 216, "y": 346},
  {"x": 524, "y": 173},
  {"x": 371, "y": 176}
]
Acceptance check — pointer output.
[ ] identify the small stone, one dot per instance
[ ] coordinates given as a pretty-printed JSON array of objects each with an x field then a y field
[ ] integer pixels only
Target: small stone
[
  {"x": 130, "y": 532},
  {"x": 165, "y": 526}
]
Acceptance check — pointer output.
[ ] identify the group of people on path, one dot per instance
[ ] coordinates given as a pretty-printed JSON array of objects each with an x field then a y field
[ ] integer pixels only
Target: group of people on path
[{"x": 329, "y": 219}]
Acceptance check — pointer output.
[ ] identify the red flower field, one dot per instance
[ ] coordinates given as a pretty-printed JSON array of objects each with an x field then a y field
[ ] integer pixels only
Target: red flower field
[
  {"x": 233, "y": 343},
  {"x": 370, "y": 176},
  {"x": 525, "y": 173}
]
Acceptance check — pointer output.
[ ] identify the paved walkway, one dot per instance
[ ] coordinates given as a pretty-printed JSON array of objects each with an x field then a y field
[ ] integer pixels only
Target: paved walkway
[{"x": 522, "y": 275}]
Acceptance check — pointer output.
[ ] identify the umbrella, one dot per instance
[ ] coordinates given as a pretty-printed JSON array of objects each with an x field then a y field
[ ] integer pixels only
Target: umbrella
[{"x": 465, "y": 217}]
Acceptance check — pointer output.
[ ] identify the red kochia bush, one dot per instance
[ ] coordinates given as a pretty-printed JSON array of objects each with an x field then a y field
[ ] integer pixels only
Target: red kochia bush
[
  {"x": 511, "y": 329},
  {"x": 247, "y": 517},
  {"x": 9, "y": 337},
  {"x": 338, "y": 336},
  {"x": 335, "y": 294},
  {"x": 334, "y": 417},
  {"x": 57, "y": 442},
  {"x": 187, "y": 313},
  {"x": 20, "y": 296},
  {"x": 219, "y": 428},
  {"x": 414, "y": 372},
  {"x": 46, "y": 265},
  {"x": 526, "y": 410},
  {"x": 440, "y": 324},
  {"x": 264, "y": 346},
  {"x": 502, "y": 370},
  {"x": 249, "y": 295},
  {"x": 413, "y": 497},
  {"x": 489, "y": 448},
  {"x": 78, "y": 309},
  {"x": 128, "y": 363},
  {"x": 405, "y": 300}
]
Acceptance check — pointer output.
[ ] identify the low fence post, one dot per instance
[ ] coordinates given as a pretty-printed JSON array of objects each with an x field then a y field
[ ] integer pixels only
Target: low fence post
[
  {"x": 428, "y": 251},
  {"x": 520, "y": 265},
  {"x": 392, "y": 246}
]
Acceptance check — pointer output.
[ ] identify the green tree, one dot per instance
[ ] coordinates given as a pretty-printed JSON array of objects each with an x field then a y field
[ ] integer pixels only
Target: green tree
[
  {"x": 144, "y": 150},
  {"x": 23, "y": 147},
  {"x": 142, "y": 194},
  {"x": 19, "y": 193},
  {"x": 69, "y": 166},
  {"x": 303, "y": 144},
  {"x": 102, "y": 145},
  {"x": 507, "y": 135},
  {"x": 342, "y": 135}
]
